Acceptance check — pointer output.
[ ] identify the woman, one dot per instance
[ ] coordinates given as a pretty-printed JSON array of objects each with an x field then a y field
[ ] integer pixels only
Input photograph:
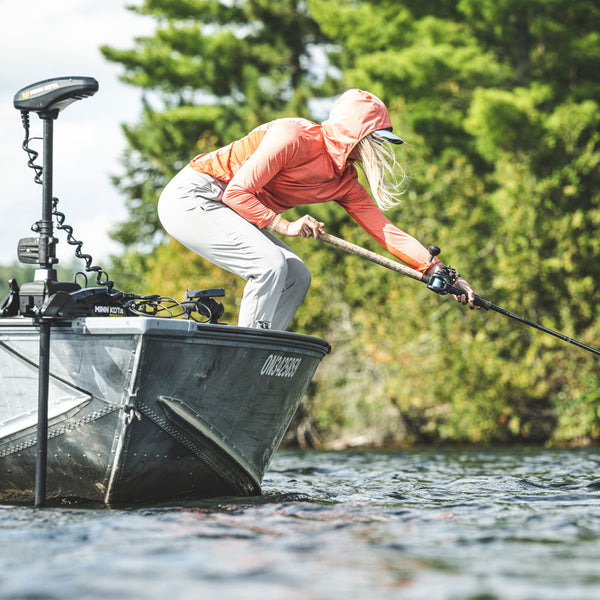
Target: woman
[{"x": 223, "y": 204}]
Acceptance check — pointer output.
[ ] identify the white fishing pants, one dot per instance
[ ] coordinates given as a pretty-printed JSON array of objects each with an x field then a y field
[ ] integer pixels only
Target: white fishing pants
[{"x": 190, "y": 209}]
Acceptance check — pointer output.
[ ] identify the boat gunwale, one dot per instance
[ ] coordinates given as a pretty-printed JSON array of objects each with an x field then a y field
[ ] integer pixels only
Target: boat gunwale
[{"x": 160, "y": 326}]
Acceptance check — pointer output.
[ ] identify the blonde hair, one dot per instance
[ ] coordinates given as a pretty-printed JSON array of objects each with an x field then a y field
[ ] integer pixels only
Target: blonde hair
[{"x": 382, "y": 171}]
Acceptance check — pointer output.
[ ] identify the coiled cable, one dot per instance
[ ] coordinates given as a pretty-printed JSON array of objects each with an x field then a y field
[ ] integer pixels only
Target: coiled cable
[{"x": 102, "y": 278}]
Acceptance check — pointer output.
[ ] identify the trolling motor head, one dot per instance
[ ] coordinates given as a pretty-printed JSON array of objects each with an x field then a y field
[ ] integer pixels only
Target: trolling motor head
[{"x": 49, "y": 97}]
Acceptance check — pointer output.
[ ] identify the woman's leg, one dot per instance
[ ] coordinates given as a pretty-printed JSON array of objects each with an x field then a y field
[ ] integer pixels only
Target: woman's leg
[
  {"x": 277, "y": 280},
  {"x": 296, "y": 285}
]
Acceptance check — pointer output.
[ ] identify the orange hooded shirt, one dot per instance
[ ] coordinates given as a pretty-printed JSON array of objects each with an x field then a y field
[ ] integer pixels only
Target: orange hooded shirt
[{"x": 291, "y": 162}]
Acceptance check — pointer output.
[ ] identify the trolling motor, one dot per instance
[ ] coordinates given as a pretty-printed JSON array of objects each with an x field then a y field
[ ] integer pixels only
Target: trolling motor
[
  {"x": 48, "y": 301},
  {"x": 45, "y": 298},
  {"x": 47, "y": 98}
]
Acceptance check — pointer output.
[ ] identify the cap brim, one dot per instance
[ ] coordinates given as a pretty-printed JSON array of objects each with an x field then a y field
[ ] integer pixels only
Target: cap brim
[{"x": 388, "y": 136}]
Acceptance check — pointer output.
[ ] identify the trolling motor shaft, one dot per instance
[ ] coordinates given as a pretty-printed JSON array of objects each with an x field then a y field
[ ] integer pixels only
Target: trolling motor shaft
[{"x": 47, "y": 98}]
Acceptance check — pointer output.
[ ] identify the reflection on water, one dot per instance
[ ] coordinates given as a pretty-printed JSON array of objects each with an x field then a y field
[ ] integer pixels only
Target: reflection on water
[{"x": 429, "y": 524}]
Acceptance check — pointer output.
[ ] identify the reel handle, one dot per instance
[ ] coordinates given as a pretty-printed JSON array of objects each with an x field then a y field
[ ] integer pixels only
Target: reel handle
[{"x": 434, "y": 251}]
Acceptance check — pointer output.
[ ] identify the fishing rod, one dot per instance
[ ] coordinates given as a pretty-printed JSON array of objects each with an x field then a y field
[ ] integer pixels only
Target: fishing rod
[{"x": 441, "y": 283}]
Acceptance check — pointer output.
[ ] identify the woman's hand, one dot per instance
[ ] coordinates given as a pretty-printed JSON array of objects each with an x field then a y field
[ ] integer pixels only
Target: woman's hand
[
  {"x": 468, "y": 297},
  {"x": 304, "y": 227}
]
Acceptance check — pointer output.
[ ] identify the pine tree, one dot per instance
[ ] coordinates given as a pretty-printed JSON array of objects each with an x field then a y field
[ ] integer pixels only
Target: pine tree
[{"x": 211, "y": 71}]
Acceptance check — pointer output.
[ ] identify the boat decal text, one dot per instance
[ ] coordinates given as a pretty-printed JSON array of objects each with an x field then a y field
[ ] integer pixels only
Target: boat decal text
[
  {"x": 108, "y": 310},
  {"x": 280, "y": 366}
]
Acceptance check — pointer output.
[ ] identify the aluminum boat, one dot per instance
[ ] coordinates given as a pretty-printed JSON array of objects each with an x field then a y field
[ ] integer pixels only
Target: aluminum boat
[{"x": 147, "y": 408}]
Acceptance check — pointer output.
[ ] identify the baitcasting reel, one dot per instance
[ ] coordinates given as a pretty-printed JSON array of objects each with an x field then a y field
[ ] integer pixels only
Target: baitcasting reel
[{"x": 442, "y": 282}]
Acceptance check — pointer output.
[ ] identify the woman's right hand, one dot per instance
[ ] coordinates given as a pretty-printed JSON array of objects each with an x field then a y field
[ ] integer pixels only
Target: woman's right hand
[{"x": 304, "y": 227}]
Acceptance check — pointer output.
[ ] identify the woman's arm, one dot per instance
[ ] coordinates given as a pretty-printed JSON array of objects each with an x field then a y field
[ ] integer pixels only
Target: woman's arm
[
  {"x": 276, "y": 149},
  {"x": 399, "y": 243}
]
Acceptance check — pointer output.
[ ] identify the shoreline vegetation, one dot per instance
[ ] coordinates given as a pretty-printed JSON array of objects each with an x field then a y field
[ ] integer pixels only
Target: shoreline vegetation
[{"x": 358, "y": 414}]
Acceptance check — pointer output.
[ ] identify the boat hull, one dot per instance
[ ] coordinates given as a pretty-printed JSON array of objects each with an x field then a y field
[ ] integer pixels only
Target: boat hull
[{"x": 147, "y": 409}]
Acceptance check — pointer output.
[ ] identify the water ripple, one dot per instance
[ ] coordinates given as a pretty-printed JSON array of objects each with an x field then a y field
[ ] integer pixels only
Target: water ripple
[{"x": 430, "y": 524}]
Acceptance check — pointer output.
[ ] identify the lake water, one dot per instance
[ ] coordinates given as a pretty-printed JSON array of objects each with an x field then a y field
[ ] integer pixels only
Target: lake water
[{"x": 459, "y": 523}]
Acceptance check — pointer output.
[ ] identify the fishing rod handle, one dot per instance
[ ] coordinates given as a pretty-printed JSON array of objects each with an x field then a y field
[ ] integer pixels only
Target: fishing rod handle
[
  {"x": 361, "y": 252},
  {"x": 437, "y": 283}
]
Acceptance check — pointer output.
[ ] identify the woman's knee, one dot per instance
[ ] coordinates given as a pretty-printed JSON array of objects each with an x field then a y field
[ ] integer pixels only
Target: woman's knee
[
  {"x": 298, "y": 275},
  {"x": 273, "y": 266}
]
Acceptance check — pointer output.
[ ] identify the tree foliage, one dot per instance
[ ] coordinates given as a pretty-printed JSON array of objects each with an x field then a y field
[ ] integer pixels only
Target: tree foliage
[{"x": 498, "y": 101}]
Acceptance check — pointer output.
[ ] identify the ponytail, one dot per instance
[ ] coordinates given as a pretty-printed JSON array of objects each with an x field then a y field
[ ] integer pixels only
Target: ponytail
[{"x": 382, "y": 170}]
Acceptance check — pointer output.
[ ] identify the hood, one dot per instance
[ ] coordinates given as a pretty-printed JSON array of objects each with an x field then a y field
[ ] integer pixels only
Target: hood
[{"x": 356, "y": 113}]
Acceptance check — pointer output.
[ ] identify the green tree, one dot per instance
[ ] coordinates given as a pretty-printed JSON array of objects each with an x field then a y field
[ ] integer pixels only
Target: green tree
[{"x": 498, "y": 102}]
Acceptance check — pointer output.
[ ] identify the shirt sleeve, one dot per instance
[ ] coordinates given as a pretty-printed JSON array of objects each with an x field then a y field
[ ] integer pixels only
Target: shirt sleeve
[
  {"x": 399, "y": 243},
  {"x": 276, "y": 149}
]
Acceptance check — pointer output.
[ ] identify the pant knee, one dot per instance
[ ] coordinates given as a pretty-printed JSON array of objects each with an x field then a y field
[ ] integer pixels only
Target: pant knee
[
  {"x": 274, "y": 268},
  {"x": 298, "y": 275}
]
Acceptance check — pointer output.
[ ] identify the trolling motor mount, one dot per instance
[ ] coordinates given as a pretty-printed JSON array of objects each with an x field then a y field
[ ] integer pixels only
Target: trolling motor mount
[{"x": 203, "y": 302}]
